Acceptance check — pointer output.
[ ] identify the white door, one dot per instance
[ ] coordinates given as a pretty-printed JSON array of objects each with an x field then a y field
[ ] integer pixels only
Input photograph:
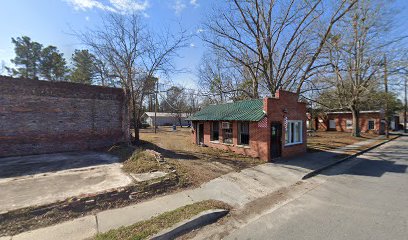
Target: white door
[
  {"x": 332, "y": 124},
  {"x": 393, "y": 125}
]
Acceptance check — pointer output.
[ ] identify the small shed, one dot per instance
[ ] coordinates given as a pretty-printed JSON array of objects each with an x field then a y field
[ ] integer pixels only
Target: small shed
[
  {"x": 267, "y": 128},
  {"x": 166, "y": 119}
]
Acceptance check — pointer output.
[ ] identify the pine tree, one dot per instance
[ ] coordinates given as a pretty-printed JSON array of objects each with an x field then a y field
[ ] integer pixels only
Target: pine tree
[
  {"x": 28, "y": 57},
  {"x": 84, "y": 67},
  {"x": 52, "y": 64}
]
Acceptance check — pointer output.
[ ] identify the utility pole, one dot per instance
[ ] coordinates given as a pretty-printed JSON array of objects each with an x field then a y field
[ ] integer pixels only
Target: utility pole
[
  {"x": 405, "y": 109},
  {"x": 155, "y": 105},
  {"x": 387, "y": 117}
]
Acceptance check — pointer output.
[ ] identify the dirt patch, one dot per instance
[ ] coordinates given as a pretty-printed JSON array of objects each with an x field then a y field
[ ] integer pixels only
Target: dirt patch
[
  {"x": 195, "y": 164},
  {"x": 25, "y": 219}
]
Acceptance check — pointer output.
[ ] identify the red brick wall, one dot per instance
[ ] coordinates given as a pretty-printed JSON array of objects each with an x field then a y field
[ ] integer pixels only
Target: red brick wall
[
  {"x": 258, "y": 146},
  {"x": 284, "y": 105},
  {"x": 341, "y": 120},
  {"x": 43, "y": 117}
]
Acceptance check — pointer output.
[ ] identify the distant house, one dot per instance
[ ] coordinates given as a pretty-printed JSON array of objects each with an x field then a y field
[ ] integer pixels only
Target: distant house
[
  {"x": 342, "y": 121},
  {"x": 165, "y": 119},
  {"x": 268, "y": 128}
]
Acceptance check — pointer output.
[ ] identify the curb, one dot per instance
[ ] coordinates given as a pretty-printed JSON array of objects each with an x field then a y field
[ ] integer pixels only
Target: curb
[
  {"x": 319, "y": 170},
  {"x": 200, "y": 220}
]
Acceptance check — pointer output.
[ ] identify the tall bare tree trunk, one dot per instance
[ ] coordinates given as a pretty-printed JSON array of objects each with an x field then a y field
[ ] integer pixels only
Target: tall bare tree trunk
[
  {"x": 126, "y": 117},
  {"x": 135, "y": 114},
  {"x": 356, "y": 120}
]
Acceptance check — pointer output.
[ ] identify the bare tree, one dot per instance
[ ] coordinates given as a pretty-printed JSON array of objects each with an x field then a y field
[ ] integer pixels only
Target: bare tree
[
  {"x": 218, "y": 80},
  {"x": 356, "y": 54},
  {"x": 134, "y": 56},
  {"x": 277, "y": 43}
]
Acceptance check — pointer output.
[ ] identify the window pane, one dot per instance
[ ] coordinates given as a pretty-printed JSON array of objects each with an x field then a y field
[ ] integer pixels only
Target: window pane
[
  {"x": 215, "y": 131},
  {"x": 292, "y": 135},
  {"x": 243, "y": 133},
  {"x": 288, "y": 133},
  {"x": 297, "y": 132},
  {"x": 294, "y": 132},
  {"x": 227, "y": 135},
  {"x": 349, "y": 124},
  {"x": 371, "y": 124}
]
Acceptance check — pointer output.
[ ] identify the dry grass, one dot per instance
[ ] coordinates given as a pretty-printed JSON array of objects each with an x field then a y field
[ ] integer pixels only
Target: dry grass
[
  {"x": 196, "y": 164},
  {"x": 325, "y": 141},
  {"x": 141, "y": 162},
  {"x": 144, "y": 229}
]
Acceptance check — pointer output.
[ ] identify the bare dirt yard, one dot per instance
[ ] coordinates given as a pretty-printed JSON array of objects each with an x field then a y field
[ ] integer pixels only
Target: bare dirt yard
[{"x": 196, "y": 164}]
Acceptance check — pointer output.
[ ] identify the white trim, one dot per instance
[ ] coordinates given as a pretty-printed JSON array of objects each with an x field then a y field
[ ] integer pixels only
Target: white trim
[
  {"x": 298, "y": 135},
  {"x": 349, "y": 127},
  {"x": 243, "y": 146}
]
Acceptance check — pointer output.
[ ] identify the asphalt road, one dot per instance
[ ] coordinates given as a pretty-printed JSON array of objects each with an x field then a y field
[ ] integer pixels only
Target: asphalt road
[{"x": 366, "y": 198}]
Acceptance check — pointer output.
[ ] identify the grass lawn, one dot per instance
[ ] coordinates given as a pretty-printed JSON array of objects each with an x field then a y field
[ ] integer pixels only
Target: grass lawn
[
  {"x": 144, "y": 229},
  {"x": 330, "y": 140}
]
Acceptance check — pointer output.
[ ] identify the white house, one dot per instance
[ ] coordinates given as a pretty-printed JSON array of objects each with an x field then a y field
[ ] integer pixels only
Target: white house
[{"x": 166, "y": 119}]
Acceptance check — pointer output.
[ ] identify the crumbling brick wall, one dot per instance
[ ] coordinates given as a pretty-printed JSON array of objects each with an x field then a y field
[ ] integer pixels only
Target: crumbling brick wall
[{"x": 44, "y": 117}]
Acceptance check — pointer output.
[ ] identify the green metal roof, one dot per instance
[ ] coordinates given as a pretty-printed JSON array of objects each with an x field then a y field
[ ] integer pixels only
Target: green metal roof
[{"x": 246, "y": 110}]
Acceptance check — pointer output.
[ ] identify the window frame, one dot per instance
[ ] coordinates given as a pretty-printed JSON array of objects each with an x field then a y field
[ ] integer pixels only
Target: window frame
[
  {"x": 368, "y": 124},
  {"x": 240, "y": 134},
  {"x": 212, "y": 131},
  {"x": 347, "y": 125},
  {"x": 291, "y": 136},
  {"x": 224, "y": 138}
]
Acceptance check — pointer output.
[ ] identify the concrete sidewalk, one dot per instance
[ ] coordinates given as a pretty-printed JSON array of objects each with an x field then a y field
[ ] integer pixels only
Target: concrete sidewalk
[{"x": 236, "y": 189}]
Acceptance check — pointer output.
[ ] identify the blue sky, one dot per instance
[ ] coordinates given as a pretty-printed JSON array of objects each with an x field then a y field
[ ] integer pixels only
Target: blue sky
[{"x": 50, "y": 22}]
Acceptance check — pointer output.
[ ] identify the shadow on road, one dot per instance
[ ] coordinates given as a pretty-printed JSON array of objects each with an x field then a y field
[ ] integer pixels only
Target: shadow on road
[{"x": 373, "y": 163}]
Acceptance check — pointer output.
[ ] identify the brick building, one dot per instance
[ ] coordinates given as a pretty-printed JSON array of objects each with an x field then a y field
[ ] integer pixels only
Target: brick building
[
  {"x": 369, "y": 121},
  {"x": 44, "y": 117},
  {"x": 268, "y": 128}
]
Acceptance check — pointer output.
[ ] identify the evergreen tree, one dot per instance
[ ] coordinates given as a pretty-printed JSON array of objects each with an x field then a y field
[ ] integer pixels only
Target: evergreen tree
[
  {"x": 84, "y": 67},
  {"x": 52, "y": 64},
  {"x": 28, "y": 57}
]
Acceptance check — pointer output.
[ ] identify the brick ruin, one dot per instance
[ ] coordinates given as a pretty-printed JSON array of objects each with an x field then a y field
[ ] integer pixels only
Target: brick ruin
[{"x": 45, "y": 117}]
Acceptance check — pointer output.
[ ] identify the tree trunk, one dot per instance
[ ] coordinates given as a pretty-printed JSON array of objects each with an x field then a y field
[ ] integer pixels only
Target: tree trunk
[
  {"x": 255, "y": 86},
  {"x": 356, "y": 120},
  {"x": 135, "y": 114},
  {"x": 126, "y": 117}
]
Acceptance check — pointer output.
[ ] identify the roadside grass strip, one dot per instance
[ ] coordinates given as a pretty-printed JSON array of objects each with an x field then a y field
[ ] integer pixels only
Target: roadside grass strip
[{"x": 144, "y": 229}]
